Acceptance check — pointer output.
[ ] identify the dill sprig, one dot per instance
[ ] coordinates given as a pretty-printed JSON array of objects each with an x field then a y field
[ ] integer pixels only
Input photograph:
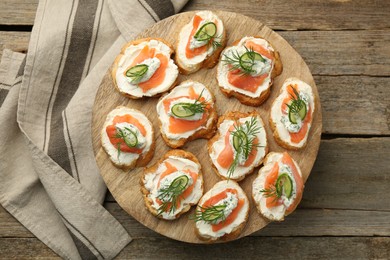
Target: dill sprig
[
  {"x": 210, "y": 214},
  {"x": 297, "y": 102},
  {"x": 272, "y": 192},
  {"x": 236, "y": 61},
  {"x": 129, "y": 137},
  {"x": 169, "y": 195},
  {"x": 243, "y": 141},
  {"x": 197, "y": 106}
]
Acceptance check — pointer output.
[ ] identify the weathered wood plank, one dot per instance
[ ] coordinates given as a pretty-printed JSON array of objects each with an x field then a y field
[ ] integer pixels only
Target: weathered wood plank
[
  {"x": 343, "y": 52},
  {"x": 25, "y": 248},
  {"x": 355, "y": 104},
  {"x": 280, "y": 14},
  {"x": 18, "y": 12},
  {"x": 350, "y": 173},
  {"x": 307, "y": 14},
  {"x": 263, "y": 248},
  {"x": 325, "y": 52},
  {"x": 246, "y": 248},
  {"x": 16, "y": 41}
]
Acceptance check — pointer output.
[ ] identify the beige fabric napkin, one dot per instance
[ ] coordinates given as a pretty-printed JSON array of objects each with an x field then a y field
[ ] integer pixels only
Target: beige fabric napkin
[{"x": 49, "y": 180}]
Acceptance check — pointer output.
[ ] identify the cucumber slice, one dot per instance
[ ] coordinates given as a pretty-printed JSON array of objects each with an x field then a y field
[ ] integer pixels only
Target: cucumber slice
[
  {"x": 248, "y": 58},
  {"x": 180, "y": 183},
  {"x": 137, "y": 72},
  {"x": 240, "y": 139},
  {"x": 206, "y": 32},
  {"x": 130, "y": 138},
  {"x": 182, "y": 110},
  {"x": 284, "y": 185},
  {"x": 214, "y": 213},
  {"x": 293, "y": 116}
]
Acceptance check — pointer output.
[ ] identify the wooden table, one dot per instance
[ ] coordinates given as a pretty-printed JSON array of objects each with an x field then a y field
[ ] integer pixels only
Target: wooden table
[{"x": 345, "y": 211}]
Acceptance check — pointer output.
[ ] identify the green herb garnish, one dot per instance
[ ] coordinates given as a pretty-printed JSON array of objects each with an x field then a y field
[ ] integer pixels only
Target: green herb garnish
[
  {"x": 208, "y": 33},
  {"x": 186, "y": 109},
  {"x": 297, "y": 107},
  {"x": 137, "y": 72},
  {"x": 128, "y": 136},
  {"x": 245, "y": 62},
  {"x": 169, "y": 195},
  {"x": 243, "y": 142},
  {"x": 210, "y": 214}
]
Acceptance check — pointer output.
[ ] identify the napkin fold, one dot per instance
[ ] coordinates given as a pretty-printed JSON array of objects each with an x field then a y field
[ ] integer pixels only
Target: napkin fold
[{"x": 49, "y": 180}]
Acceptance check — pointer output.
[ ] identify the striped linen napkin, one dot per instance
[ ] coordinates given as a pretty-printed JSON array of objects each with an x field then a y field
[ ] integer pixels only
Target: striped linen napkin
[{"x": 49, "y": 180}]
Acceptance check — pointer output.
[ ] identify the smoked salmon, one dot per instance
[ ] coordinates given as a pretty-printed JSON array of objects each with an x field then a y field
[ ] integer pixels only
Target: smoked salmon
[
  {"x": 172, "y": 185},
  {"x": 144, "y": 68},
  {"x": 222, "y": 212},
  {"x": 127, "y": 137},
  {"x": 278, "y": 188},
  {"x": 187, "y": 113},
  {"x": 247, "y": 69},
  {"x": 239, "y": 145},
  {"x": 291, "y": 114}
]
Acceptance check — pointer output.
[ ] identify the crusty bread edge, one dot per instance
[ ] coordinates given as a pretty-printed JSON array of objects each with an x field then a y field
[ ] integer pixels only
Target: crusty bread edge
[
  {"x": 201, "y": 133},
  {"x": 208, "y": 63},
  {"x": 114, "y": 66},
  {"x": 154, "y": 167},
  {"x": 234, "y": 115},
  {"x": 257, "y": 101},
  {"x": 234, "y": 233},
  {"x": 142, "y": 160}
]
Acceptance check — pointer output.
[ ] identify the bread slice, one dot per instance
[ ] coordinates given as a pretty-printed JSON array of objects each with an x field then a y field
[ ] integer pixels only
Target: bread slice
[
  {"x": 206, "y": 130},
  {"x": 124, "y": 60},
  {"x": 204, "y": 229},
  {"x": 286, "y": 165},
  {"x": 188, "y": 66},
  {"x": 183, "y": 161},
  {"x": 217, "y": 144},
  {"x": 279, "y": 120},
  {"x": 122, "y": 159},
  {"x": 263, "y": 91}
]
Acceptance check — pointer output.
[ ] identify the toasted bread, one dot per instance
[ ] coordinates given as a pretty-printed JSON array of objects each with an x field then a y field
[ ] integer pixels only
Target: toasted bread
[
  {"x": 132, "y": 90},
  {"x": 244, "y": 96},
  {"x": 204, "y": 229},
  {"x": 188, "y": 66},
  {"x": 128, "y": 160},
  {"x": 241, "y": 171},
  {"x": 282, "y": 136},
  {"x": 260, "y": 196},
  {"x": 149, "y": 190},
  {"x": 206, "y": 130}
]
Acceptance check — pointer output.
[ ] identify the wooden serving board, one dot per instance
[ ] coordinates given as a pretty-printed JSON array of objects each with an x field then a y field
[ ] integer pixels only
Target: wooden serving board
[{"x": 125, "y": 187}]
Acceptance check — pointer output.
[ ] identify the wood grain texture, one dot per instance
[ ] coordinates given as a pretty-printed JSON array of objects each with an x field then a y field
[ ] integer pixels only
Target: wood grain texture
[
  {"x": 20, "y": 12},
  {"x": 125, "y": 187},
  {"x": 263, "y": 248},
  {"x": 278, "y": 15},
  {"x": 351, "y": 173},
  {"x": 16, "y": 41},
  {"x": 306, "y": 14},
  {"x": 246, "y": 248}
]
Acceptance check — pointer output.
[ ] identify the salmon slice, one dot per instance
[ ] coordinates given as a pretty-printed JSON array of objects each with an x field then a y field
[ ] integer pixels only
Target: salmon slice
[
  {"x": 196, "y": 51},
  {"x": 119, "y": 142},
  {"x": 286, "y": 159},
  {"x": 270, "y": 182},
  {"x": 145, "y": 53},
  {"x": 233, "y": 215},
  {"x": 179, "y": 126},
  {"x": 158, "y": 76},
  {"x": 171, "y": 169},
  {"x": 300, "y": 135},
  {"x": 226, "y": 157},
  {"x": 259, "y": 49}
]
